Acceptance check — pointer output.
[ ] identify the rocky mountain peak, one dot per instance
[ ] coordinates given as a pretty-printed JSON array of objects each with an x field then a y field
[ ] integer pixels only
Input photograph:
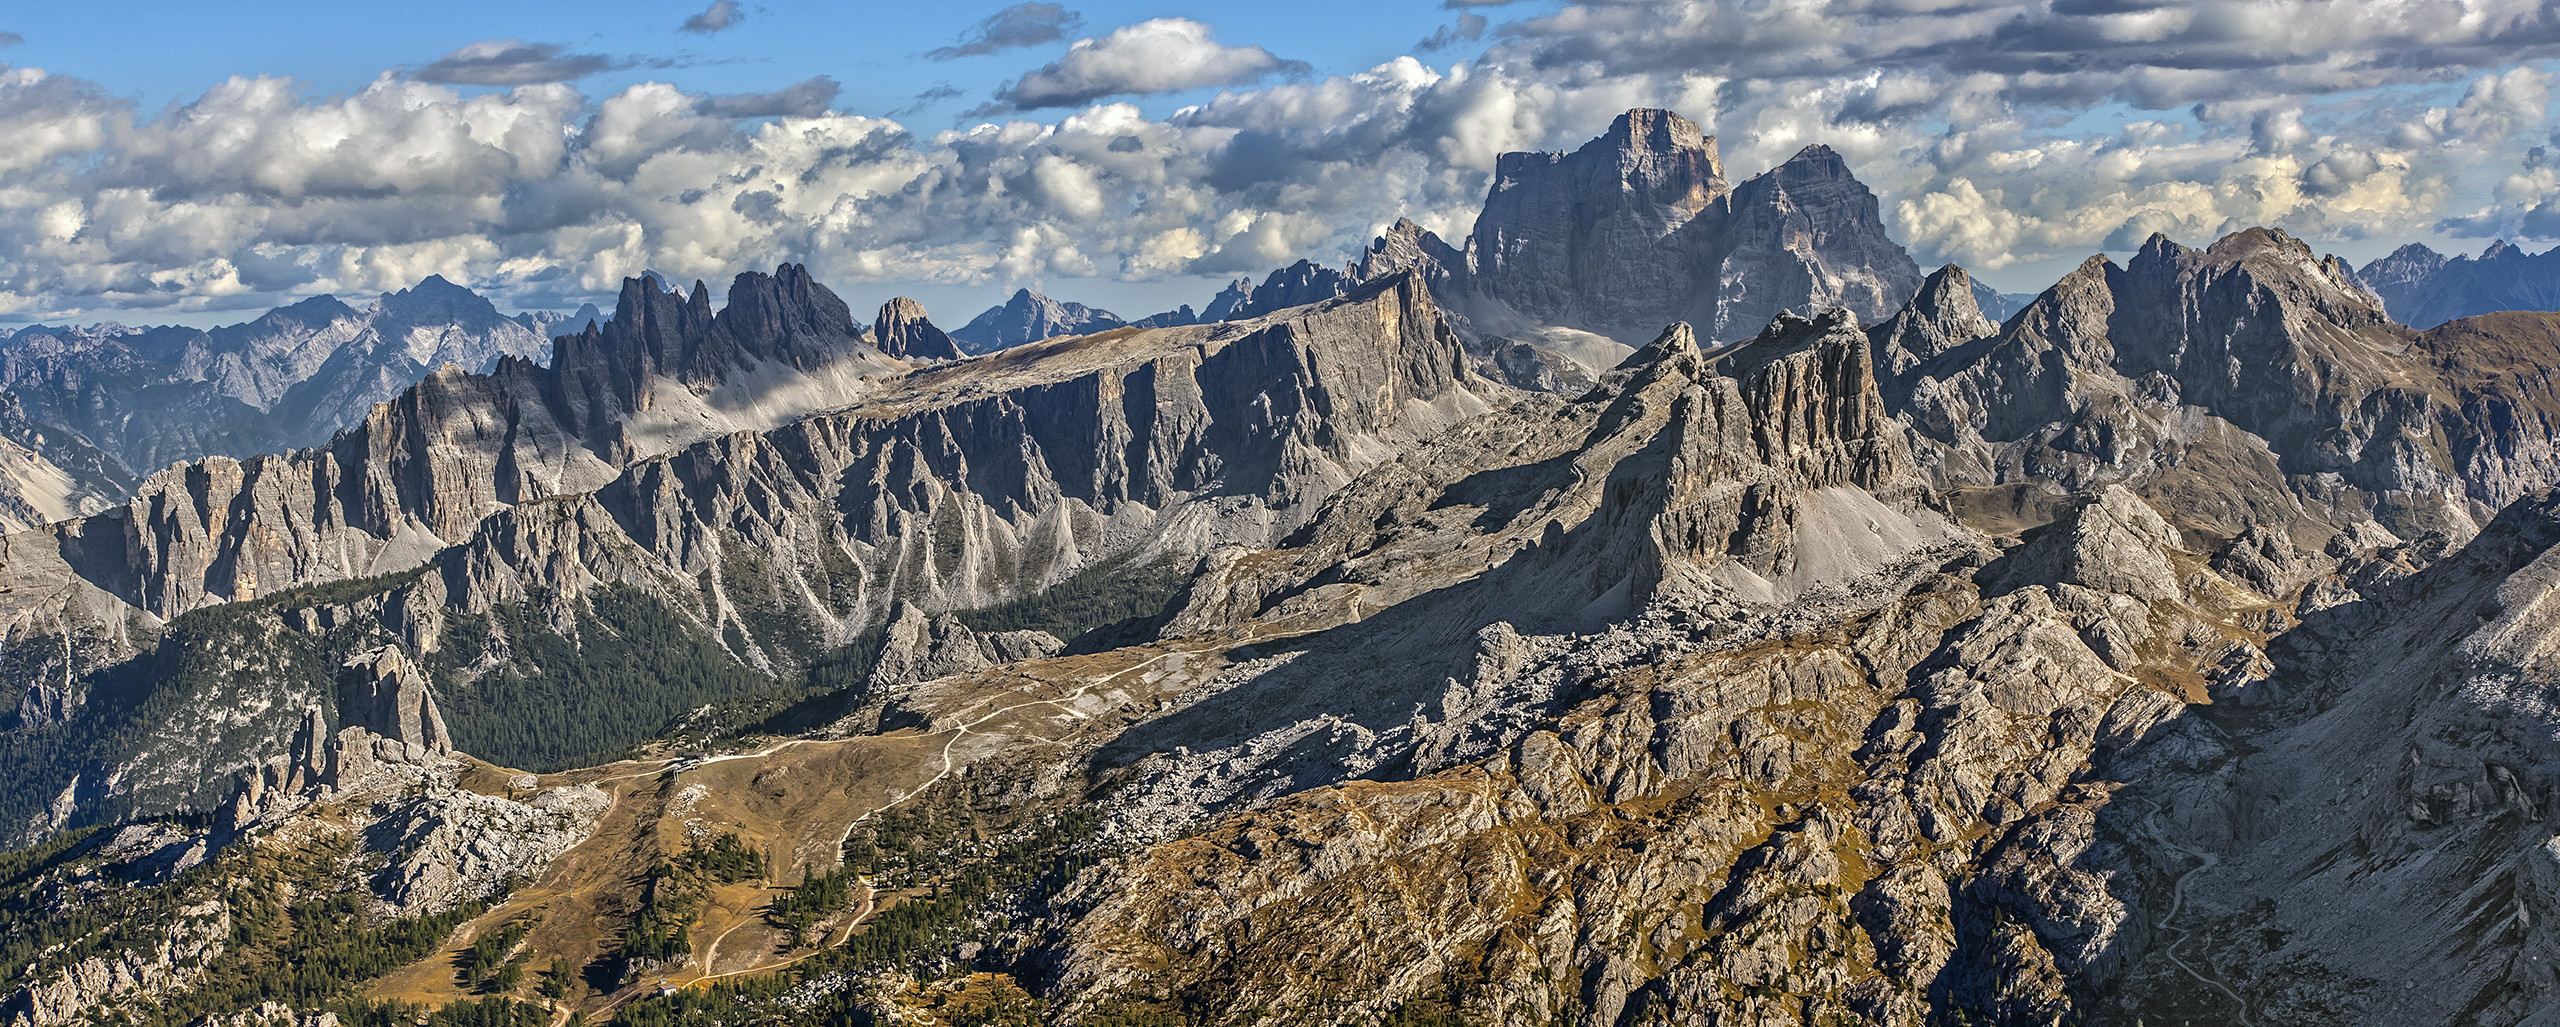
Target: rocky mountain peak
[
  {"x": 435, "y": 296},
  {"x": 1028, "y": 316},
  {"x": 798, "y": 319},
  {"x": 1664, "y": 150},
  {"x": 1944, "y": 314},
  {"x": 1638, "y": 227},
  {"x": 1816, "y": 161},
  {"x": 901, "y": 329},
  {"x": 784, "y": 317},
  {"x": 1408, "y": 245}
]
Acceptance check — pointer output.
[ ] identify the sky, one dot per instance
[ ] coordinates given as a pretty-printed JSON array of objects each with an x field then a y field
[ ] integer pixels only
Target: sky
[{"x": 196, "y": 163}]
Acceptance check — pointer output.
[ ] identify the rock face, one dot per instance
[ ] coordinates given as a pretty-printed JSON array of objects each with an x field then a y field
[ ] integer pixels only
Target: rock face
[
  {"x": 2422, "y": 288},
  {"x": 1577, "y": 255},
  {"x": 950, "y": 487},
  {"x": 901, "y": 330},
  {"x": 1031, "y": 317},
  {"x": 449, "y": 846},
  {"x": 385, "y": 694},
  {"x": 2246, "y": 381},
  {"x": 959, "y": 488},
  {"x": 193, "y": 938},
  {"x": 51, "y": 474},
  {"x": 1639, "y": 227}
]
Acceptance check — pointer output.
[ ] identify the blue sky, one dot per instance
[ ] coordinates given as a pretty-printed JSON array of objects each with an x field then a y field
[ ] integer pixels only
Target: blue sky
[
  {"x": 192, "y": 162},
  {"x": 156, "y": 53}
]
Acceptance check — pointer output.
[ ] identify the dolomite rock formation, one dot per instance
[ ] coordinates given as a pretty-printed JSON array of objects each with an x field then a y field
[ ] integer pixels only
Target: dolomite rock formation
[
  {"x": 2171, "y": 652},
  {"x": 150, "y": 397},
  {"x": 963, "y": 487},
  {"x": 191, "y": 939},
  {"x": 902, "y": 330},
  {"x": 387, "y": 695},
  {"x": 450, "y": 846},
  {"x": 921, "y": 648}
]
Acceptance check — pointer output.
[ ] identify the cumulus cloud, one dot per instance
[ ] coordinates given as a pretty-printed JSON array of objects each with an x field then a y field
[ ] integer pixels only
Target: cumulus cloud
[
  {"x": 512, "y": 62},
  {"x": 807, "y": 98},
  {"x": 1016, "y": 25},
  {"x": 720, "y": 15},
  {"x": 1161, "y": 55}
]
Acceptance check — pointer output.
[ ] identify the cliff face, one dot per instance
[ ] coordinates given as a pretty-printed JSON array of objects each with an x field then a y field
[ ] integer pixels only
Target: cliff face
[
  {"x": 424, "y": 468},
  {"x": 970, "y": 483},
  {"x": 902, "y": 330},
  {"x": 2242, "y": 379},
  {"x": 1602, "y": 234}
]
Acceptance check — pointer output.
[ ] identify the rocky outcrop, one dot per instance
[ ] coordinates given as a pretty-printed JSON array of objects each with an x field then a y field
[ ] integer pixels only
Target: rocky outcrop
[
  {"x": 2422, "y": 288},
  {"x": 1030, "y": 317},
  {"x": 902, "y": 330},
  {"x": 2114, "y": 543},
  {"x": 1410, "y": 246},
  {"x": 919, "y": 647},
  {"x": 449, "y": 846},
  {"x": 385, "y": 694}
]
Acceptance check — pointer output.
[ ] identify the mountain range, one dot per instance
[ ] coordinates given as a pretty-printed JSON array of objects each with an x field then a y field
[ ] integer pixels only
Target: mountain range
[
  {"x": 1383, "y": 646},
  {"x": 2424, "y": 288},
  {"x": 100, "y": 407}
]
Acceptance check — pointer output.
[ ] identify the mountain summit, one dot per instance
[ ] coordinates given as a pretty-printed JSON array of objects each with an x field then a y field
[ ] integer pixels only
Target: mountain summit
[{"x": 1638, "y": 227}]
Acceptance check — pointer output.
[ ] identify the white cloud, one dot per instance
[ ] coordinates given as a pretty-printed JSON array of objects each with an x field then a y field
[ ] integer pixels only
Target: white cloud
[{"x": 1161, "y": 55}]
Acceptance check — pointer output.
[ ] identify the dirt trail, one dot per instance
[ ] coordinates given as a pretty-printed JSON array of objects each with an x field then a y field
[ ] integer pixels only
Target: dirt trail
[{"x": 2178, "y": 903}]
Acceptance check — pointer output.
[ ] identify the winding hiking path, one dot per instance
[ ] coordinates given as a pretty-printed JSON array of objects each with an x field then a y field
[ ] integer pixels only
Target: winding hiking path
[{"x": 2178, "y": 902}]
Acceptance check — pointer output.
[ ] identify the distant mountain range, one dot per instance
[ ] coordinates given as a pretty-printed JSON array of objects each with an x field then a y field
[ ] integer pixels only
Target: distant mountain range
[
  {"x": 98, "y": 407},
  {"x": 2422, "y": 288}
]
